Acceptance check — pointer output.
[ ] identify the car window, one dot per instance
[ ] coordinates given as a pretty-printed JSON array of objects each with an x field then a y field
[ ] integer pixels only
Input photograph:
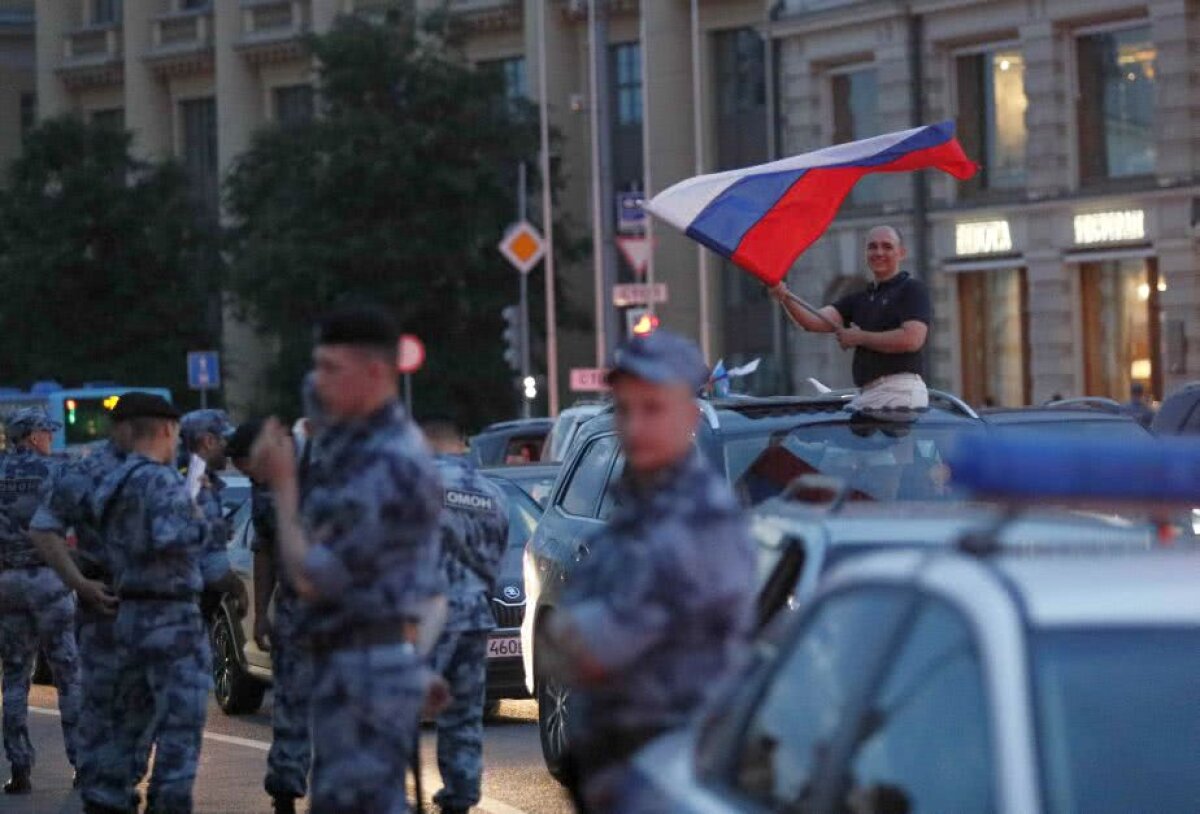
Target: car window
[
  {"x": 587, "y": 480},
  {"x": 609, "y": 502},
  {"x": 237, "y": 520},
  {"x": 792, "y": 728},
  {"x": 923, "y": 747}
]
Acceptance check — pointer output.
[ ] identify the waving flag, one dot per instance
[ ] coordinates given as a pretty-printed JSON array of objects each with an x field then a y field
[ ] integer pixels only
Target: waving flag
[{"x": 762, "y": 218}]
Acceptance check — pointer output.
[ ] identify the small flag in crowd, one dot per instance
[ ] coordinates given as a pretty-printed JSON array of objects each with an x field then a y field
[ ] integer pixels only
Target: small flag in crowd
[
  {"x": 762, "y": 218},
  {"x": 722, "y": 377}
]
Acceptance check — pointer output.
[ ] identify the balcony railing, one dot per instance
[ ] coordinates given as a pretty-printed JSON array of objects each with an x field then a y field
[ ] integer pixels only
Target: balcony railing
[
  {"x": 181, "y": 31},
  {"x": 274, "y": 19},
  {"x": 91, "y": 45}
]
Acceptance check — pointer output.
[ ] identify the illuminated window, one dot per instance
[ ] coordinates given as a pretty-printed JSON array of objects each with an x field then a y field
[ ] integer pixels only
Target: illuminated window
[
  {"x": 1121, "y": 319},
  {"x": 991, "y": 117},
  {"x": 1117, "y": 79}
]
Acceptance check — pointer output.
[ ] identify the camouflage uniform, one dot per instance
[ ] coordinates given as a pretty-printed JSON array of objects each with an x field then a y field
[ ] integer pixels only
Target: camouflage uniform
[
  {"x": 36, "y": 607},
  {"x": 157, "y": 538},
  {"x": 663, "y": 602},
  {"x": 68, "y": 506},
  {"x": 371, "y": 505},
  {"x": 290, "y": 757},
  {"x": 473, "y": 531}
]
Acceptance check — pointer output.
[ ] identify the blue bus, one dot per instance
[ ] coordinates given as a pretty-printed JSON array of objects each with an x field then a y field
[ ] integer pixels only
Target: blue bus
[{"x": 82, "y": 411}]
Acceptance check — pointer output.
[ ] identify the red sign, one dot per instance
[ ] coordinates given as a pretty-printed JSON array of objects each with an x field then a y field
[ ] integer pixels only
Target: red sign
[
  {"x": 588, "y": 379},
  {"x": 412, "y": 354}
]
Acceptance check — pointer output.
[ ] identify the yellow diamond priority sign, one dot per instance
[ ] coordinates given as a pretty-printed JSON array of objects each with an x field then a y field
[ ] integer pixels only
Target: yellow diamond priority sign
[{"x": 523, "y": 246}]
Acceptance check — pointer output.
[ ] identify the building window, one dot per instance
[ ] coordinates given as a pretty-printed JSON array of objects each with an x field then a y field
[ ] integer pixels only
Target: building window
[
  {"x": 198, "y": 118},
  {"x": 991, "y": 117},
  {"x": 106, "y": 12},
  {"x": 293, "y": 105},
  {"x": 512, "y": 76},
  {"x": 28, "y": 112},
  {"x": 111, "y": 119},
  {"x": 1116, "y": 104},
  {"x": 627, "y": 84},
  {"x": 856, "y": 116},
  {"x": 741, "y": 104},
  {"x": 194, "y": 5},
  {"x": 1121, "y": 319},
  {"x": 994, "y": 321}
]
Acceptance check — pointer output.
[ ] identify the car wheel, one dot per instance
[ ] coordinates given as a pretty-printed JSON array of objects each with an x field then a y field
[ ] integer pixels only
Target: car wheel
[
  {"x": 41, "y": 668},
  {"x": 237, "y": 692},
  {"x": 553, "y": 697}
]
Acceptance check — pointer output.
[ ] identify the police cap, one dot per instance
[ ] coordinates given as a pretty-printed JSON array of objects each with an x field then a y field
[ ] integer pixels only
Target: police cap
[
  {"x": 661, "y": 357},
  {"x": 26, "y": 420},
  {"x": 369, "y": 325},
  {"x": 243, "y": 438},
  {"x": 198, "y": 422},
  {"x": 136, "y": 404}
]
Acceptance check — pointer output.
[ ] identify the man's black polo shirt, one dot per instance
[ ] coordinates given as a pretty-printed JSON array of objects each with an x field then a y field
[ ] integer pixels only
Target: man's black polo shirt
[{"x": 885, "y": 307}]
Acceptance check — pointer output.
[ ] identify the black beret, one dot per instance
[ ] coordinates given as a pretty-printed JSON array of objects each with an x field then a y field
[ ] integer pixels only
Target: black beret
[
  {"x": 358, "y": 325},
  {"x": 137, "y": 404},
  {"x": 243, "y": 438}
]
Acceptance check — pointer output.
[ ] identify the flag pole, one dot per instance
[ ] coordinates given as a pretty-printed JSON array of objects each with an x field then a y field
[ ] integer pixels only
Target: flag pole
[{"x": 810, "y": 309}]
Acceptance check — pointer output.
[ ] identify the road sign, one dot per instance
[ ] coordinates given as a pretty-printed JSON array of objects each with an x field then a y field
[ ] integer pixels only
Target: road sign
[
  {"x": 636, "y": 250},
  {"x": 204, "y": 369},
  {"x": 588, "y": 379},
  {"x": 412, "y": 354},
  {"x": 523, "y": 246},
  {"x": 631, "y": 217},
  {"x": 626, "y": 294}
]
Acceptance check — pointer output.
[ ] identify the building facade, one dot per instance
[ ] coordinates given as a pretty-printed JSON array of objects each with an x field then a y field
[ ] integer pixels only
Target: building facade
[
  {"x": 18, "y": 78},
  {"x": 1068, "y": 266}
]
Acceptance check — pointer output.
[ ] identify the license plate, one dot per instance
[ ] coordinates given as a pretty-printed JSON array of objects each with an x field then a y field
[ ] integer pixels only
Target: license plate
[{"x": 504, "y": 647}]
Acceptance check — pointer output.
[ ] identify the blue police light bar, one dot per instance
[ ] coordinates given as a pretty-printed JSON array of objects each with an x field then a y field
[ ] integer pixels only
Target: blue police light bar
[{"x": 1062, "y": 467}]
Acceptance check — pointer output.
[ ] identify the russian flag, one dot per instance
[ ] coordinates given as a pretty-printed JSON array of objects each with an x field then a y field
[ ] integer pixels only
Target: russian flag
[{"x": 762, "y": 218}]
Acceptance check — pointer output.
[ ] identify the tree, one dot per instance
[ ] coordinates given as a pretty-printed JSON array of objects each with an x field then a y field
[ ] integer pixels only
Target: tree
[
  {"x": 398, "y": 193},
  {"x": 105, "y": 261}
]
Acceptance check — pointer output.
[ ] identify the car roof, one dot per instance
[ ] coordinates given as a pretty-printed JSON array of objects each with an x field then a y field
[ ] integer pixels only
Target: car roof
[
  {"x": 519, "y": 424},
  {"x": 1047, "y": 415},
  {"x": 1105, "y": 588}
]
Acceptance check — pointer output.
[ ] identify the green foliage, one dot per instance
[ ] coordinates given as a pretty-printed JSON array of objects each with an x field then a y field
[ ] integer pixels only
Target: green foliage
[
  {"x": 106, "y": 266},
  {"x": 398, "y": 192}
]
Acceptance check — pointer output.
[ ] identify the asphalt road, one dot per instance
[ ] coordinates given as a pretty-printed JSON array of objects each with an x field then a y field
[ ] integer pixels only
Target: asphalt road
[{"x": 233, "y": 762}]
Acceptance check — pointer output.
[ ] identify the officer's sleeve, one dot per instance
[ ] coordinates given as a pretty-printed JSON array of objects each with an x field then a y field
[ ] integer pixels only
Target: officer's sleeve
[
  {"x": 618, "y": 628},
  {"x": 173, "y": 524},
  {"x": 54, "y": 504},
  {"x": 914, "y": 304},
  {"x": 214, "y": 561}
]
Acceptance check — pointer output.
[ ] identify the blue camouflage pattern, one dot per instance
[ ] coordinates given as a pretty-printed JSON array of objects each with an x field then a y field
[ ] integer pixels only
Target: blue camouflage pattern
[
  {"x": 36, "y": 607},
  {"x": 372, "y": 499},
  {"x": 460, "y": 657},
  {"x": 214, "y": 563},
  {"x": 290, "y": 756},
  {"x": 664, "y": 603},
  {"x": 473, "y": 530},
  {"x": 67, "y": 506},
  {"x": 158, "y": 537}
]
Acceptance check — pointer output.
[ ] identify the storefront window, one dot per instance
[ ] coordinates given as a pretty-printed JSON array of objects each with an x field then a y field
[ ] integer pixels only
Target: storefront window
[
  {"x": 1116, "y": 104},
  {"x": 1121, "y": 327},
  {"x": 993, "y": 308},
  {"x": 991, "y": 117},
  {"x": 856, "y": 116}
]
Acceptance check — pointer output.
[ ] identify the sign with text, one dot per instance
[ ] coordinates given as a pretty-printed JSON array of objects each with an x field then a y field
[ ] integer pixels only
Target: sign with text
[
  {"x": 588, "y": 379},
  {"x": 631, "y": 217},
  {"x": 982, "y": 237},
  {"x": 626, "y": 294},
  {"x": 1110, "y": 227}
]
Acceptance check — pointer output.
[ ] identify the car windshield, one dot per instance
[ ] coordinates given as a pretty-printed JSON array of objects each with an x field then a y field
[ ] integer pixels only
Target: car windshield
[
  {"x": 1109, "y": 430},
  {"x": 1119, "y": 718},
  {"x": 877, "y": 460}
]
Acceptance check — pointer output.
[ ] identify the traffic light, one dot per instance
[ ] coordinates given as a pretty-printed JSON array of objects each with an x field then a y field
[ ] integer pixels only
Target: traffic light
[
  {"x": 512, "y": 336},
  {"x": 639, "y": 322},
  {"x": 530, "y": 385}
]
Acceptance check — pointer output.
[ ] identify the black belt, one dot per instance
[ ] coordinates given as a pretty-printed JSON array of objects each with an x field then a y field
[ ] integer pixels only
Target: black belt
[
  {"x": 156, "y": 596},
  {"x": 376, "y": 635}
]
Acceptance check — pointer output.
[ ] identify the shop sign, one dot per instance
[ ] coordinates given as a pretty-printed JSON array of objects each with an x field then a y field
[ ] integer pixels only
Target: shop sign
[
  {"x": 1110, "y": 227},
  {"x": 982, "y": 237}
]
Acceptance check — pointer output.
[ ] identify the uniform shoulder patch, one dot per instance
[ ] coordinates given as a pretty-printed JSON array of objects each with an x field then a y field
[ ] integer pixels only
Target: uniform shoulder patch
[{"x": 469, "y": 501}]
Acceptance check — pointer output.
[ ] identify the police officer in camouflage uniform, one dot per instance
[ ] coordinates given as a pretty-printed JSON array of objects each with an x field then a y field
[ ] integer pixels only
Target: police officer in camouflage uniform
[
  {"x": 36, "y": 608},
  {"x": 67, "y": 506},
  {"x": 205, "y": 434},
  {"x": 362, "y": 554},
  {"x": 157, "y": 536},
  {"x": 290, "y": 757},
  {"x": 657, "y": 612},
  {"x": 473, "y": 531}
]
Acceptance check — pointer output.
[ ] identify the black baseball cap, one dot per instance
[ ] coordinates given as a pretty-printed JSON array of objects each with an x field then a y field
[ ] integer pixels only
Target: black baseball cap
[
  {"x": 370, "y": 325},
  {"x": 243, "y": 438},
  {"x": 137, "y": 404}
]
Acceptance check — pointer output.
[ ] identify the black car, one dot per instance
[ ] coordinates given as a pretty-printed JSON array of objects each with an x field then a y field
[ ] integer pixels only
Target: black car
[
  {"x": 242, "y": 671},
  {"x": 509, "y": 442},
  {"x": 765, "y": 446}
]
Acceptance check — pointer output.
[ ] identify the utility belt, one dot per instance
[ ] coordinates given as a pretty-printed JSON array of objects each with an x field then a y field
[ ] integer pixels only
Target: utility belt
[
  {"x": 364, "y": 636},
  {"x": 157, "y": 596}
]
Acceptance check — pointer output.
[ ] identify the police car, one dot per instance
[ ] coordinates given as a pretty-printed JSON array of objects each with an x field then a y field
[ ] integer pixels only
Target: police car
[{"x": 980, "y": 678}]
